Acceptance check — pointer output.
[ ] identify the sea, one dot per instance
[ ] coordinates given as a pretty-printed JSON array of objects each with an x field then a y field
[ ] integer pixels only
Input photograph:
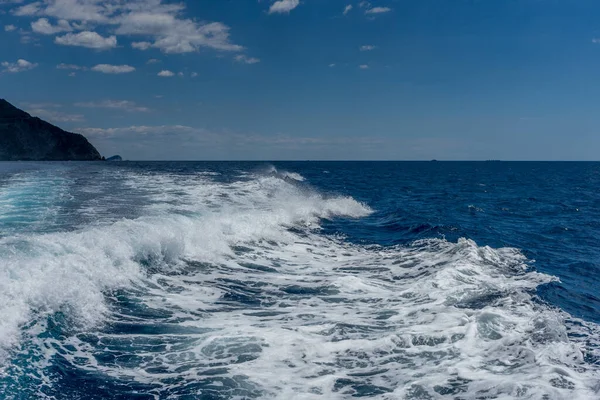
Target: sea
[{"x": 300, "y": 280}]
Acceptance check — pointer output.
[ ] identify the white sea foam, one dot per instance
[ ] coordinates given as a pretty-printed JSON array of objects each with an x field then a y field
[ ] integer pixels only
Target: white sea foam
[
  {"x": 259, "y": 303},
  {"x": 49, "y": 271},
  {"x": 272, "y": 170}
]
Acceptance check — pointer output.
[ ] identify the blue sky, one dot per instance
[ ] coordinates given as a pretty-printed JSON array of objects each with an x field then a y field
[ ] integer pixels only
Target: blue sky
[{"x": 311, "y": 79}]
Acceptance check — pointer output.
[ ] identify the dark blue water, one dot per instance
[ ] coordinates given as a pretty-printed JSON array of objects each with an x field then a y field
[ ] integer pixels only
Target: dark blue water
[
  {"x": 549, "y": 210},
  {"x": 206, "y": 280}
]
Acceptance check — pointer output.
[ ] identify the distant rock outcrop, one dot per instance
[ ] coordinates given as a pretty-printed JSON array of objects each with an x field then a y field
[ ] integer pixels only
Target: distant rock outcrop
[
  {"x": 114, "y": 158},
  {"x": 27, "y": 138}
]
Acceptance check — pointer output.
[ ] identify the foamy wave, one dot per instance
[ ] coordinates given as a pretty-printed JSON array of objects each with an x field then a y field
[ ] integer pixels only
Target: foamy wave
[
  {"x": 336, "y": 320},
  {"x": 218, "y": 296},
  {"x": 46, "y": 273},
  {"x": 271, "y": 170}
]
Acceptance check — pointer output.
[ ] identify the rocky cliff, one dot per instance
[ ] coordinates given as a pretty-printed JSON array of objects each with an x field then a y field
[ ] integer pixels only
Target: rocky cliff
[{"x": 27, "y": 138}]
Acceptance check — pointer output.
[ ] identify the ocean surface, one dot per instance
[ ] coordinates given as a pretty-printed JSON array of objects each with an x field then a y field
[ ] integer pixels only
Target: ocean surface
[{"x": 300, "y": 280}]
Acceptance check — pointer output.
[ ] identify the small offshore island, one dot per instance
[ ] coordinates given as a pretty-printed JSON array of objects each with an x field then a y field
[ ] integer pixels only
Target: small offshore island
[{"x": 27, "y": 138}]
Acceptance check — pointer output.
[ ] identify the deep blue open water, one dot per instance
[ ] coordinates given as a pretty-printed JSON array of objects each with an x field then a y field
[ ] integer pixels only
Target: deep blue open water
[{"x": 300, "y": 280}]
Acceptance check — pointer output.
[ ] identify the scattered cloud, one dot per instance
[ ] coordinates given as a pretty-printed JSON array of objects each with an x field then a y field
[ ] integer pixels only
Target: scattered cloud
[
  {"x": 26, "y": 38},
  {"x": 113, "y": 69},
  {"x": 89, "y": 11},
  {"x": 367, "y": 47},
  {"x": 19, "y": 66},
  {"x": 28, "y": 9},
  {"x": 51, "y": 112},
  {"x": 204, "y": 135},
  {"x": 39, "y": 105},
  {"x": 153, "y": 61},
  {"x": 71, "y": 74},
  {"x": 156, "y": 142},
  {"x": 174, "y": 35},
  {"x": 246, "y": 60},
  {"x": 70, "y": 66},
  {"x": 158, "y": 23},
  {"x": 347, "y": 9},
  {"x": 91, "y": 40},
  {"x": 163, "y": 137},
  {"x": 123, "y": 105},
  {"x": 194, "y": 74},
  {"x": 56, "y": 116},
  {"x": 166, "y": 73},
  {"x": 596, "y": 40},
  {"x": 9, "y": 28},
  {"x": 363, "y": 66},
  {"x": 331, "y": 65},
  {"x": 378, "y": 10},
  {"x": 44, "y": 26},
  {"x": 140, "y": 130},
  {"x": 180, "y": 74},
  {"x": 141, "y": 45},
  {"x": 96, "y": 11},
  {"x": 283, "y": 6}
]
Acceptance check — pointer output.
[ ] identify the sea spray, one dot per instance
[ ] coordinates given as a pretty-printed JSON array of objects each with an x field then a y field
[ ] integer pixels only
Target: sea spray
[{"x": 226, "y": 285}]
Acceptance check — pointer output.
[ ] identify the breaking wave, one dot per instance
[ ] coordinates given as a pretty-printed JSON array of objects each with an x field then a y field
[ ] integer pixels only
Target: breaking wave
[{"x": 230, "y": 289}]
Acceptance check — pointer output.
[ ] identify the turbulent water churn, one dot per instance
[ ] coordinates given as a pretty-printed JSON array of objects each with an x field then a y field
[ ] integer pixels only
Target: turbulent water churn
[{"x": 299, "y": 281}]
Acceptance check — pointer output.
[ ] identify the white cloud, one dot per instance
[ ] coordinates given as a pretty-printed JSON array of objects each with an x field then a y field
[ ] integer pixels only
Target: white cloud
[
  {"x": 40, "y": 105},
  {"x": 363, "y": 66},
  {"x": 246, "y": 60},
  {"x": 156, "y": 21},
  {"x": 283, "y": 6},
  {"x": 367, "y": 47},
  {"x": 113, "y": 69},
  {"x": 194, "y": 74},
  {"x": 124, "y": 105},
  {"x": 44, "y": 27},
  {"x": 19, "y": 66},
  {"x": 166, "y": 73},
  {"x": 347, "y": 9},
  {"x": 28, "y": 9},
  {"x": 180, "y": 74},
  {"x": 164, "y": 142},
  {"x": 378, "y": 10},
  {"x": 56, "y": 116},
  {"x": 83, "y": 10},
  {"x": 331, "y": 65},
  {"x": 595, "y": 40},
  {"x": 91, "y": 40},
  {"x": 174, "y": 35},
  {"x": 141, "y": 45},
  {"x": 26, "y": 38},
  {"x": 50, "y": 112},
  {"x": 153, "y": 61},
  {"x": 72, "y": 74},
  {"x": 141, "y": 130},
  {"x": 9, "y": 28},
  {"x": 70, "y": 66}
]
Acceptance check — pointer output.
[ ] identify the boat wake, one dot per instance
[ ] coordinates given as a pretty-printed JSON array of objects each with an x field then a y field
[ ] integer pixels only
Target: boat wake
[{"x": 229, "y": 288}]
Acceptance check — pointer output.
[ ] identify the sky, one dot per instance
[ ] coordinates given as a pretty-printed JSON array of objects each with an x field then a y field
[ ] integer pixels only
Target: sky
[{"x": 311, "y": 79}]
